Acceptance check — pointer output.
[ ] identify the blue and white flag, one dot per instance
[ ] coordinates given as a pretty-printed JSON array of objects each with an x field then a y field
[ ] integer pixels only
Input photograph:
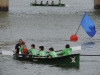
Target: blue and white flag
[{"x": 88, "y": 25}]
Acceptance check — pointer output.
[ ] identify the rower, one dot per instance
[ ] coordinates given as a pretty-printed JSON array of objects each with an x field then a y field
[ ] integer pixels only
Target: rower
[
  {"x": 66, "y": 51},
  {"x": 17, "y": 47},
  {"x": 41, "y": 52},
  {"x": 52, "y": 3},
  {"x": 47, "y": 3},
  {"x": 59, "y": 2},
  {"x": 41, "y": 2},
  {"x": 23, "y": 49},
  {"x": 52, "y": 53},
  {"x": 32, "y": 52},
  {"x": 35, "y": 2}
]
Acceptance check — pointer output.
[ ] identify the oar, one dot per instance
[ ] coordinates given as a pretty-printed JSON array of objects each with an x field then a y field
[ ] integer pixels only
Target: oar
[
  {"x": 88, "y": 55},
  {"x": 73, "y": 48},
  {"x": 7, "y": 52},
  {"x": 11, "y": 52}
]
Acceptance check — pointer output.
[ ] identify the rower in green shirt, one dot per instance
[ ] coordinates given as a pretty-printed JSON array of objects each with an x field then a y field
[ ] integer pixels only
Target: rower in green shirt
[
  {"x": 32, "y": 51},
  {"x": 23, "y": 48},
  {"x": 52, "y": 53},
  {"x": 66, "y": 51},
  {"x": 59, "y": 2},
  {"x": 41, "y": 51}
]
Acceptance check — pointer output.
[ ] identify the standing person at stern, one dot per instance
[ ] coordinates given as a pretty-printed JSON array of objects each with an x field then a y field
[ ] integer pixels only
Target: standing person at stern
[{"x": 17, "y": 46}]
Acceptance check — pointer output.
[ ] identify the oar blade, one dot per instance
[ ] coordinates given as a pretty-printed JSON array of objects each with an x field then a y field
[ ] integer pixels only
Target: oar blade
[
  {"x": 76, "y": 48},
  {"x": 7, "y": 52}
]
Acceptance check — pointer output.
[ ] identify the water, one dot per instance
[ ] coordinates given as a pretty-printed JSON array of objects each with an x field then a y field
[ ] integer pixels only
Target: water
[{"x": 50, "y": 27}]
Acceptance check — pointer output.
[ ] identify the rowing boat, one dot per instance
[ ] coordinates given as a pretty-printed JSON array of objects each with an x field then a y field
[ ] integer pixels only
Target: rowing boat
[
  {"x": 66, "y": 61},
  {"x": 58, "y": 5},
  {"x": 71, "y": 60}
]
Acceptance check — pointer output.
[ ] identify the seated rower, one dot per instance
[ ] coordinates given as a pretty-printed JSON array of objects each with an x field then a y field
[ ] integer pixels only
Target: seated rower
[
  {"x": 47, "y": 3},
  {"x": 59, "y": 2},
  {"x": 52, "y": 53},
  {"x": 35, "y": 2},
  {"x": 41, "y": 2},
  {"x": 32, "y": 52},
  {"x": 41, "y": 52},
  {"x": 52, "y": 3},
  {"x": 66, "y": 51},
  {"x": 23, "y": 49}
]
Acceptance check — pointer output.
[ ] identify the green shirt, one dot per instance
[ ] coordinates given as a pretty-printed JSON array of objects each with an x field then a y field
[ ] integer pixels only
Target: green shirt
[
  {"x": 52, "y": 54},
  {"x": 42, "y": 53},
  {"x": 32, "y": 51},
  {"x": 59, "y": 2},
  {"x": 66, "y": 51},
  {"x": 21, "y": 49}
]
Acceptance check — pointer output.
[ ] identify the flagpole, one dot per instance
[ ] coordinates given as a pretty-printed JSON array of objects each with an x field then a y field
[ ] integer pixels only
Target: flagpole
[{"x": 77, "y": 30}]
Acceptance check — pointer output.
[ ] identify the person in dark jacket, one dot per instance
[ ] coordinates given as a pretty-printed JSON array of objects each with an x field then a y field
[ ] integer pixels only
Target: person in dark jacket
[{"x": 17, "y": 46}]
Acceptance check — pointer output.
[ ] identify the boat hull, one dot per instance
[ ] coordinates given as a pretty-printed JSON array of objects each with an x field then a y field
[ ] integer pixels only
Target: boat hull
[
  {"x": 61, "y": 5},
  {"x": 72, "y": 60}
]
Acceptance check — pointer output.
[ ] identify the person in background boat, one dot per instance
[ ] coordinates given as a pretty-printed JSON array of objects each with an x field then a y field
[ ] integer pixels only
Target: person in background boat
[
  {"x": 52, "y": 53},
  {"x": 41, "y": 2},
  {"x": 23, "y": 49},
  {"x": 66, "y": 51},
  {"x": 35, "y": 2},
  {"x": 52, "y": 3},
  {"x": 32, "y": 52},
  {"x": 17, "y": 47},
  {"x": 47, "y": 3},
  {"x": 59, "y": 2},
  {"x": 41, "y": 51}
]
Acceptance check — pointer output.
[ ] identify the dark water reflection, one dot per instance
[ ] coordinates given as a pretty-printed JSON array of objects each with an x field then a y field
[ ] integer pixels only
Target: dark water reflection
[{"x": 87, "y": 45}]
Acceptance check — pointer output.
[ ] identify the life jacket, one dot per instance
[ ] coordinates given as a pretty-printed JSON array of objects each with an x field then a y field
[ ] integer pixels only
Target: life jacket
[
  {"x": 32, "y": 52},
  {"x": 25, "y": 50},
  {"x": 42, "y": 53},
  {"x": 53, "y": 54}
]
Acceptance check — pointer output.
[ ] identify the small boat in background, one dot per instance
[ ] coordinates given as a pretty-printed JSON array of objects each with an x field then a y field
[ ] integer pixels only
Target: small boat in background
[
  {"x": 58, "y": 5},
  {"x": 69, "y": 61}
]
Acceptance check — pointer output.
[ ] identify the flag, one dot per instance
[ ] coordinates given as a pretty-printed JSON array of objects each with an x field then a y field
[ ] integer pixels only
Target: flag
[{"x": 88, "y": 25}]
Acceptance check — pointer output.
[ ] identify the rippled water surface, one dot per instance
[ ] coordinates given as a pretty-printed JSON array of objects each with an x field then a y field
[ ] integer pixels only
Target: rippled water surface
[{"x": 50, "y": 27}]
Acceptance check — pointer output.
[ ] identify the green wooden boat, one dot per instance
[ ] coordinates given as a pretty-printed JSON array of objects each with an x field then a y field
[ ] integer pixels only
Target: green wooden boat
[
  {"x": 58, "y": 5},
  {"x": 72, "y": 60}
]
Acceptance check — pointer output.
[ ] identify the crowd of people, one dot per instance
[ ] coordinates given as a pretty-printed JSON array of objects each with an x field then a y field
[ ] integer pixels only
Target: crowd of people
[
  {"x": 59, "y": 2},
  {"x": 21, "y": 47}
]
